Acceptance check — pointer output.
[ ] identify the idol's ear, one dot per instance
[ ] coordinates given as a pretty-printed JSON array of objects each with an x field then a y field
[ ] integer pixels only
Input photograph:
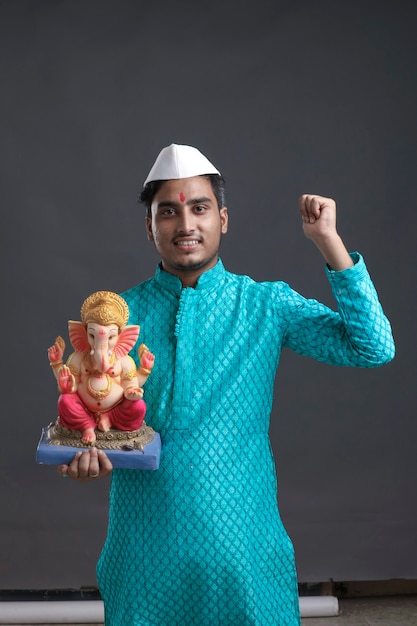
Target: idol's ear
[
  {"x": 78, "y": 336},
  {"x": 127, "y": 339}
]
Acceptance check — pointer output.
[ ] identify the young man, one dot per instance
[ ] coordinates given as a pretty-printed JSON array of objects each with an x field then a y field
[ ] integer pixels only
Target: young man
[{"x": 200, "y": 541}]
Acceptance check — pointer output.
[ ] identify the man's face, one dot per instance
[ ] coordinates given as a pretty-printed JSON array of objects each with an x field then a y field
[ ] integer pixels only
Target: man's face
[{"x": 186, "y": 227}]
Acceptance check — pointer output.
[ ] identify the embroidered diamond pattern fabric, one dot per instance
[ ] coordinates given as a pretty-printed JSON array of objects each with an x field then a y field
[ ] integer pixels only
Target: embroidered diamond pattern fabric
[{"x": 200, "y": 541}]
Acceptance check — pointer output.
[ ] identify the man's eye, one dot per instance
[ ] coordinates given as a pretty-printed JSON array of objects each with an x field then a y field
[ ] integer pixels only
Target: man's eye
[
  {"x": 200, "y": 208},
  {"x": 168, "y": 212}
]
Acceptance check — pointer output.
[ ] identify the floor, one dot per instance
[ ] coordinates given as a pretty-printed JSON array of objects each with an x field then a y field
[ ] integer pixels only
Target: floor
[{"x": 389, "y": 611}]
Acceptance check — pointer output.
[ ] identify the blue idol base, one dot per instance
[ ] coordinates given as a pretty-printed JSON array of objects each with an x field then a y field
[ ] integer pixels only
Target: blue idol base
[{"x": 146, "y": 459}]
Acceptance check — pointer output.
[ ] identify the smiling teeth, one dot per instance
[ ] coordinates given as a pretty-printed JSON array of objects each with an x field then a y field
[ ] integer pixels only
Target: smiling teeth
[{"x": 194, "y": 242}]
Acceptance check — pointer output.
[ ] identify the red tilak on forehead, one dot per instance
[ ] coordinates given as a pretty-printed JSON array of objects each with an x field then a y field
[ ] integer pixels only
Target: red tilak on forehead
[{"x": 182, "y": 197}]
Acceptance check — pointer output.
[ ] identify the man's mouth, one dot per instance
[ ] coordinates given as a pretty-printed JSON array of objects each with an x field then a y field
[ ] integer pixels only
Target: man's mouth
[{"x": 186, "y": 243}]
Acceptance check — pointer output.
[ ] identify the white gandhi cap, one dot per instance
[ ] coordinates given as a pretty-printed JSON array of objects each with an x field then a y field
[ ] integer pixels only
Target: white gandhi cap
[{"x": 179, "y": 161}]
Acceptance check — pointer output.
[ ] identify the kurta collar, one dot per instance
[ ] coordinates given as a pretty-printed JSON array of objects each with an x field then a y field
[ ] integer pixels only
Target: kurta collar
[{"x": 206, "y": 281}]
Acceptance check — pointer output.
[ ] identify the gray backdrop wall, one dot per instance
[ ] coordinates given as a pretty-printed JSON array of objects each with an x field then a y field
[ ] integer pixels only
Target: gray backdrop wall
[{"x": 285, "y": 98}]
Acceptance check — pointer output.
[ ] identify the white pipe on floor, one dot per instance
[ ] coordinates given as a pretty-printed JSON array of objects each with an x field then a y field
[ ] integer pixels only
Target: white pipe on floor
[
  {"x": 92, "y": 612},
  {"x": 318, "y": 606},
  {"x": 52, "y": 612}
]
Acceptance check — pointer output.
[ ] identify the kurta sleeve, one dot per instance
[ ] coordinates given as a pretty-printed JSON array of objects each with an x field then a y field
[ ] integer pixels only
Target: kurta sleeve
[{"x": 358, "y": 334}]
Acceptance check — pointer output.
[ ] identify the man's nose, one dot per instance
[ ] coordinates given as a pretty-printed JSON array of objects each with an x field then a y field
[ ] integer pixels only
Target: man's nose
[{"x": 186, "y": 222}]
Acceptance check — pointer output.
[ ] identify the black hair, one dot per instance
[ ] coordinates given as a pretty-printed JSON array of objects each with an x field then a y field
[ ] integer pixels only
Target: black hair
[{"x": 217, "y": 181}]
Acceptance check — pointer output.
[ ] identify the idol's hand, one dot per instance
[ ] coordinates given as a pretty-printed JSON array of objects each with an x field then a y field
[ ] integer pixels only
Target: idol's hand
[
  {"x": 66, "y": 380},
  {"x": 133, "y": 393}
]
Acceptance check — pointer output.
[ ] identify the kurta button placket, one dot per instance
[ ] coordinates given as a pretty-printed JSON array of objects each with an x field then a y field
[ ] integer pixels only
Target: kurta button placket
[{"x": 184, "y": 359}]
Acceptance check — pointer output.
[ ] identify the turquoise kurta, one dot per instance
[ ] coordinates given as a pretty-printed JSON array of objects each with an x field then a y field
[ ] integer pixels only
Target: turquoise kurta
[{"x": 200, "y": 542}]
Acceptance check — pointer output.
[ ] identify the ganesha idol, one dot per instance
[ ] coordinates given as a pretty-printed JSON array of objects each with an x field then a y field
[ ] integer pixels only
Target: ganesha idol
[{"x": 100, "y": 387}]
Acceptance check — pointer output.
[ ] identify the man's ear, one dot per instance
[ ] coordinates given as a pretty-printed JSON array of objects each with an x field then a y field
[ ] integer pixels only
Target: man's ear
[
  {"x": 149, "y": 232},
  {"x": 224, "y": 218}
]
